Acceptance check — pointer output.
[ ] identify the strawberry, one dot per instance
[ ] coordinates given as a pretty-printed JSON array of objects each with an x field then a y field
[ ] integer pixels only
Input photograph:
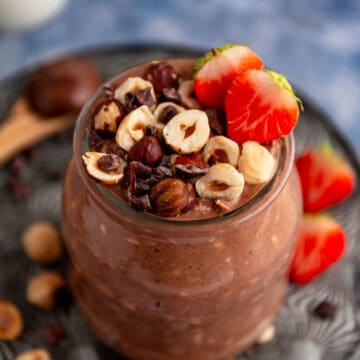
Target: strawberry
[
  {"x": 260, "y": 106},
  {"x": 217, "y": 69},
  {"x": 326, "y": 178},
  {"x": 321, "y": 242}
]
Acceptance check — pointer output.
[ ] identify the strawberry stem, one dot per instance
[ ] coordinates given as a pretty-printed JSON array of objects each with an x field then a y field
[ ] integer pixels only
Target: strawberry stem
[{"x": 214, "y": 51}]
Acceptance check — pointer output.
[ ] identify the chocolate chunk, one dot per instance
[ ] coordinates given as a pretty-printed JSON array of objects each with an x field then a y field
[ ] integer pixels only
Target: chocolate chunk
[
  {"x": 19, "y": 189},
  {"x": 62, "y": 87},
  {"x": 166, "y": 161},
  {"x": 54, "y": 334},
  {"x": 162, "y": 172},
  {"x": 114, "y": 148},
  {"x": 135, "y": 99},
  {"x": 95, "y": 142},
  {"x": 162, "y": 75},
  {"x": 167, "y": 114},
  {"x": 216, "y": 120},
  {"x": 139, "y": 203},
  {"x": 134, "y": 170},
  {"x": 325, "y": 310},
  {"x": 189, "y": 171},
  {"x": 108, "y": 163},
  {"x": 170, "y": 94}
]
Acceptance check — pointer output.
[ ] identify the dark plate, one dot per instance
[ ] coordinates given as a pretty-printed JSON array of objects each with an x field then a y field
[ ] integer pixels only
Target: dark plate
[{"x": 299, "y": 334}]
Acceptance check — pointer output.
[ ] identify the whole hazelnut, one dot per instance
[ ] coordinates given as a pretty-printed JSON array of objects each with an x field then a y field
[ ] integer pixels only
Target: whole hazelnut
[
  {"x": 42, "y": 289},
  {"x": 41, "y": 242},
  {"x": 162, "y": 75},
  {"x": 34, "y": 354},
  {"x": 171, "y": 197},
  {"x": 11, "y": 321},
  {"x": 147, "y": 151}
]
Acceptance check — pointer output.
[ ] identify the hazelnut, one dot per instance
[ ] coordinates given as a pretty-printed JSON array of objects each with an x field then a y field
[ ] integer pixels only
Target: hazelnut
[
  {"x": 34, "y": 354},
  {"x": 11, "y": 321},
  {"x": 166, "y": 111},
  {"x": 108, "y": 117},
  {"x": 41, "y": 242},
  {"x": 171, "y": 197},
  {"x": 148, "y": 151},
  {"x": 162, "y": 75},
  {"x": 42, "y": 289},
  {"x": 220, "y": 149}
]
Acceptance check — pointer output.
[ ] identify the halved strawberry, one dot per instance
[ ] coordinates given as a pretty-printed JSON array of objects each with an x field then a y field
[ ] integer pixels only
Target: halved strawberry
[
  {"x": 326, "y": 178},
  {"x": 260, "y": 106},
  {"x": 218, "y": 68},
  {"x": 321, "y": 242}
]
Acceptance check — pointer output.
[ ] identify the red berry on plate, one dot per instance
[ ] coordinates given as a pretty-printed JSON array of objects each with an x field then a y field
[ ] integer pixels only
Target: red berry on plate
[
  {"x": 260, "y": 106},
  {"x": 326, "y": 178},
  {"x": 218, "y": 68},
  {"x": 321, "y": 242}
]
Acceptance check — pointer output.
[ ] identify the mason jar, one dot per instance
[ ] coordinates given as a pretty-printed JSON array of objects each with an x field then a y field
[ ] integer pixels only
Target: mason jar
[{"x": 154, "y": 288}]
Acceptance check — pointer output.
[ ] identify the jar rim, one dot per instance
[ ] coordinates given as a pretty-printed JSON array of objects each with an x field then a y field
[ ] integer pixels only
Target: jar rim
[{"x": 115, "y": 207}]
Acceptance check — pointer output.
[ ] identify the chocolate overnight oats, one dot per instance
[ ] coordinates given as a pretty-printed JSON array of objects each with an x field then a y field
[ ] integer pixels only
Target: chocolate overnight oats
[{"x": 180, "y": 225}]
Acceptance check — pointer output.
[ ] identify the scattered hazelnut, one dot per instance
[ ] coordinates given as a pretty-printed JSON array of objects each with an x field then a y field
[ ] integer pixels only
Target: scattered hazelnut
[
  {"x": 162, "y": 75},
  {"x": 256, "y": 163},
  {"x": 267, "y": 335},
  {"x": 41, "y": 242},
  {"x": 11, "y": 321},
  {"x": 171, "y": 197},
  {"x": 34, "y": 354},
  {"x": 186, "y": 91},
  {"x": 133, "y": 127},
  {"x": 187, "y": 132},
  {"x": 148, "y": 151},
  {"x": 42, "y": 289},
  {"x": 108, "y": 168},
  {"x": 222, "y": 181},
  {"x": 133, "y": 85},
  {"x": 220, "y": 149},
  {"x": 108, "y": 117}
]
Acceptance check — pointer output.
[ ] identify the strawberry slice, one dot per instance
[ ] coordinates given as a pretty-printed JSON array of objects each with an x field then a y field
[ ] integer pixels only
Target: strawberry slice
[
  {"x": 326, "y": 178},
  {"x": 321, "y": 242},
  {"x": 218, "y": 68},
  {"x": 260, "y": 106}
]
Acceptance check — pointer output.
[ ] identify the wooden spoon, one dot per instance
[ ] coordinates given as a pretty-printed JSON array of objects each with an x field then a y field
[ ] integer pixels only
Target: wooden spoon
[{"x": 24, "y": 128}]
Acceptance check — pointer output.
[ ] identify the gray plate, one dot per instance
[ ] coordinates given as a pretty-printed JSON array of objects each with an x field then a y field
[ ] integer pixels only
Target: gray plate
[{"x": 299, "y": 335}]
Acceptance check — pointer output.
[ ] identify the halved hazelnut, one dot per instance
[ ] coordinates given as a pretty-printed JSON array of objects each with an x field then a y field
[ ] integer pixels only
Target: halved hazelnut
[
  {"x": 222, "y": 181},
  {"x": 41, "y": 242},
  {"x": 11, "y": 321},
  {"x": 42, "y": 289},
  {"x": 256, "y": 163},
  {"x": 108, "y": 117},
  {"x": 187, "y": 132},
  {"x": 110, "y": 175},
  {"x": 220, "y": 149},
  {"x": 165, "y": 111},
  {"x": 133, "y": 85},
  {"x": 34, "y": 354},
  {"x": 186, "y": 91}
]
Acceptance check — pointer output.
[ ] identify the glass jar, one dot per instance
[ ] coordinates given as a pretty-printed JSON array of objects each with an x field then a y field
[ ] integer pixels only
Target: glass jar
[{"x": 154, "y": 288}]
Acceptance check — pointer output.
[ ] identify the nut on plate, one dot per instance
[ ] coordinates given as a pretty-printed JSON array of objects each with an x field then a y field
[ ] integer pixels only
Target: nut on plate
[
  {"x": 171, "y": 197},
  {"x": 34, "y": 354},
  {"x": 133, "y": 85},
  {"x": 41, "y": 242},
  {"x": 256, "y": 163},
  {"x": 133, "y": 127},
  {"x": 187, "y": 132},
  {"x": 108, "y": 168},
  {"x": 11, "y": 321},
  {"x": 222, "y": 181},
  {"x": 108, "y": 117},
  {"x": 167, "y": 110},
  {"x": 42, "y": 289},
  {"x": 186, "y": 91},
  {"x": 220, "y": 149}
]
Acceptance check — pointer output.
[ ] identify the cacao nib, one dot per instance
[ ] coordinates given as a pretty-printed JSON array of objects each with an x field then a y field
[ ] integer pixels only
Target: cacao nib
[
  {"x": 162, "y": 75},
  {"x": 216, "y": 120},
  {"x": 110, "y": 162},
  {"x": 325, "y": 310},
  {"x": 135, "y": 99},
  {"x": 166, "y": 161},
  {"x": 114, "y": 148},
  {"x": 136, "y": 169},
  {"x": 170, "y": 94},
  {"x": 189, "y": 171},
  {"x": 139, "y": 203},
  {"x": 162, "y": 171},
  {"x": 168, "y": 113},
  {"x": 95, "y": 141}
]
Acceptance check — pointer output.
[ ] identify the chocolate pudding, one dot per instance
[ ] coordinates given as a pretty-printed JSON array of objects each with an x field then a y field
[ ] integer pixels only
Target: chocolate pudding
[{"x": 199, "y": 283}]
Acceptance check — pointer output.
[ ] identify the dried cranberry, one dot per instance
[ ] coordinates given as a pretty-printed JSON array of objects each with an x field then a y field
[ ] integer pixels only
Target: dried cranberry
[
  {"x": 162, "y": 75},
  {"x": 135, "y": 99},
  {"x": 167, "y": 114},
  {"x": 148, "y": 151},
  {"x": 216, "y": 120}
]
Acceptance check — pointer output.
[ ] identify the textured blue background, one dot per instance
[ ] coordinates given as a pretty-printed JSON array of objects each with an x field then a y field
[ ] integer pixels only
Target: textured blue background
[{"x": 316, "y": 43}]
